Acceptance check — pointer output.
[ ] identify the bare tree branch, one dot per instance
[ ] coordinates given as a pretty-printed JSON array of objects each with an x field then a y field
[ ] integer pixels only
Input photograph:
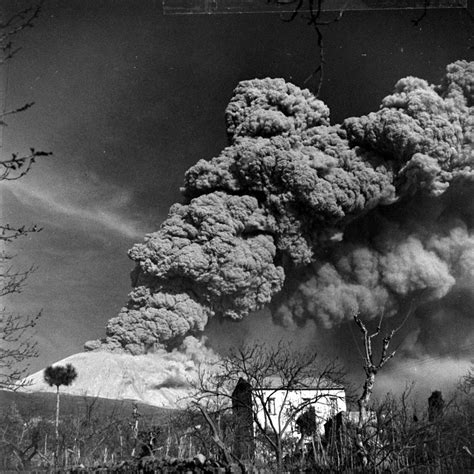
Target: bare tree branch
[
  {"x": 19, "y": 165},
  {"x": 269, "y": 371},
  {"x": 16, "y": 23},
  {"x": 371, "y": 368},
  {"x": 314, "y": 20},
  {"x": 417, "y": 21},
  {"x": 17, "y": 345},
  {"x": 9, "y": 233}
]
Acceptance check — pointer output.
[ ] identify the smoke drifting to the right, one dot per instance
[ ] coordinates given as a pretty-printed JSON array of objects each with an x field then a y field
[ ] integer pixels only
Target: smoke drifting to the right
[
  {"x": 416, "y": 254},
  {"x": 316, "y": 220}
]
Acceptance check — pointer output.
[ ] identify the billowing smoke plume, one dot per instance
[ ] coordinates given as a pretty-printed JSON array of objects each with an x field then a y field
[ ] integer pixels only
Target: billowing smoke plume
[{"x": 322, "y": 219}]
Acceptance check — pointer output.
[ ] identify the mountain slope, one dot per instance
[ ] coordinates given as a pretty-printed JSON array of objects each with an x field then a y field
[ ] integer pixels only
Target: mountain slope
[
  {"x": 43, "y": 405},
  {"x": 156, "y": 379}
]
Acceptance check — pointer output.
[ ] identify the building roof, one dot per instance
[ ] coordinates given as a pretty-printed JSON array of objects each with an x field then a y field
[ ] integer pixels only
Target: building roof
[{"x": 276, "y": 382}]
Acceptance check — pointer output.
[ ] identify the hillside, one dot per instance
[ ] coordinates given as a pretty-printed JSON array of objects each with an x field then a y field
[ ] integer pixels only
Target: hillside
[
  {"x": 154, "y": 379},
  {"x": 40, "y": 404}
]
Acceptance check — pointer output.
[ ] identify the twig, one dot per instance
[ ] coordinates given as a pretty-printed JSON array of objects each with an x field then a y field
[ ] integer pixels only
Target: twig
[
  {"x": 315, "y": 22},
  {"x": 416, "y": 21}
]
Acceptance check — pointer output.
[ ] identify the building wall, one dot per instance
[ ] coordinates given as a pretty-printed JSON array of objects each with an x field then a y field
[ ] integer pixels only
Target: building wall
[{"x": 326, "y": 403}]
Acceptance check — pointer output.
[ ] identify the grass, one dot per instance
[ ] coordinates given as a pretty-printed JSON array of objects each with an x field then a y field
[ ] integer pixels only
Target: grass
[{"x": 41, "y": 404}]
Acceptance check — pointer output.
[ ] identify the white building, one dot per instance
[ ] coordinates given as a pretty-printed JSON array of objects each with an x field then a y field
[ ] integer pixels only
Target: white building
[
  {"x": 276, "y": 407},
  {"x": 283, "y": 406}
]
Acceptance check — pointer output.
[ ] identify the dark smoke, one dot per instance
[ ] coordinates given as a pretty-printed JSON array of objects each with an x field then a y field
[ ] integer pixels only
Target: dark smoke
[{"x": 321, "y": 219}]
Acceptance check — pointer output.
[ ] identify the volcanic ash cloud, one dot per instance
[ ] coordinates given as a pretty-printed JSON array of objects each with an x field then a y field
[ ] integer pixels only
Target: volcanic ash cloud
[{"x": 285, "y": 196}]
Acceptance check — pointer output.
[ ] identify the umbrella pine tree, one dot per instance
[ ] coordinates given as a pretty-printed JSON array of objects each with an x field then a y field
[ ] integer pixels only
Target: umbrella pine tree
[{"x": 59, "y": 375}]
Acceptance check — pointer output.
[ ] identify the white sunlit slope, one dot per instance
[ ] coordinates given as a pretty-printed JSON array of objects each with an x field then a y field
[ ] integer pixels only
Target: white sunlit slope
[{"x": 157, "y": 379}]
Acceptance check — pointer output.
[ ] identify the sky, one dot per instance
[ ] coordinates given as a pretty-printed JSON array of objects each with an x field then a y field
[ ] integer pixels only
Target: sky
[{"x": 127, "y": 99}]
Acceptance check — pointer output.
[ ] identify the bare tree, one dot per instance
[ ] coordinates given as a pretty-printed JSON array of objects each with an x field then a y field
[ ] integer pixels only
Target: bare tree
[
  {"x": 18, "y": 164},
  {"x": 17, "y": 345},
  {"x": 372, "y": 365},
  {"x": 437, "y": 438},
  {"x": 272, "y": 375}
]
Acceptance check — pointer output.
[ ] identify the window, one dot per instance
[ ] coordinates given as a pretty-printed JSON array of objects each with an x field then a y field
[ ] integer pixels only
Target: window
[
  {"x": 271, "y": 406},
  {"x": 332, "y": 405}
]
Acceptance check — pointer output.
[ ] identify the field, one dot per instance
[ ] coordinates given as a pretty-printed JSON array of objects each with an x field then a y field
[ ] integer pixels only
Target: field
[
  {"x": 97, "y": 434},
  {"x": 93, "y": 432},
  {"x": 43, "y": 405}
]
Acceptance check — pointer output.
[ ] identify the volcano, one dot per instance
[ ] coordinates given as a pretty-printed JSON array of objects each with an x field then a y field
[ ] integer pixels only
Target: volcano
[{"x": 155, "y": 379}]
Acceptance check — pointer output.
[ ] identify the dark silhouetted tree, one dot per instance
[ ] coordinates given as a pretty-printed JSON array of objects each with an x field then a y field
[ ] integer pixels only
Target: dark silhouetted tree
[
  {"x": 59, "y": 375},
  {"x": 372, "y": 365}
]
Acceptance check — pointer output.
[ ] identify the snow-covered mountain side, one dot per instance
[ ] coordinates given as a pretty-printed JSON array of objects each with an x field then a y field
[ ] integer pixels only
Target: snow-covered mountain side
[{"x": 160, "y": 379}]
